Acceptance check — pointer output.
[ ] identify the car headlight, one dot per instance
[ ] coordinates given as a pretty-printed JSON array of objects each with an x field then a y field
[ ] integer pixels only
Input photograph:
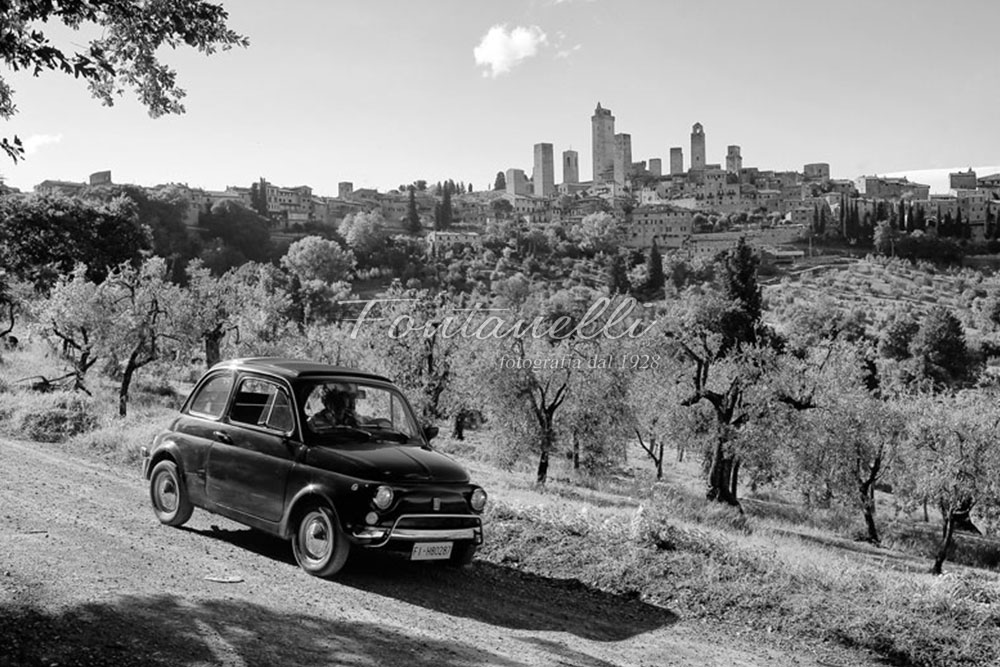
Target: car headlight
[
  {"x": 478, "y": 499},
  {"x": 383, "y": 497}
]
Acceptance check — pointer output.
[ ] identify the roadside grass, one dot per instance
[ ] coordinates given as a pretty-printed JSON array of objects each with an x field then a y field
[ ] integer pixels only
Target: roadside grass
[
  {"x": 758, "y": 579},
  {"x": 780, "y": 571}
]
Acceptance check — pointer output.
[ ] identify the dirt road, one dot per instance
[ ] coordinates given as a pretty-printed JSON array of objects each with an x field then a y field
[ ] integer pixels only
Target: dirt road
[{"x": 89, "y": 577}]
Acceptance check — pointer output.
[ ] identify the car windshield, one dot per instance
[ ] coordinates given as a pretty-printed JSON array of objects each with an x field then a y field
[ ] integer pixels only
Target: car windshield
[{"x": 345, "y": 409}]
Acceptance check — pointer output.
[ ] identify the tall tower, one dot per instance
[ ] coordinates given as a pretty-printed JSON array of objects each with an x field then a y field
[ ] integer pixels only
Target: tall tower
[
  {"x": 602, "y": 125},
  {"x": 734, "y": 161},
  {"x": 545, "y": 173},
  {"x": 623, "y": 158},
  {"x": 676, "y": 161},
  {"x": 655, "y": 167},
  {"x": 571, "y": 167},
  {"x": 517, "y": 182},
  {"x": 697, "y": 147}
]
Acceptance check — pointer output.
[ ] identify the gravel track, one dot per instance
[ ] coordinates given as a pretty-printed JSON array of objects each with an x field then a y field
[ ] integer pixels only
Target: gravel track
[{"x": 89, "y": 577}]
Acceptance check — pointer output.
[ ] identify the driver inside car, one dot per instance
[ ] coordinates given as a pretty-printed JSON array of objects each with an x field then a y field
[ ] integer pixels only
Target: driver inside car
[{"x": 338, "y": 410}]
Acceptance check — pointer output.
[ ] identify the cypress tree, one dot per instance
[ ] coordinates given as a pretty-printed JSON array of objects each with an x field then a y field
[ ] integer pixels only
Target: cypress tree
[
  {"x": 412, "y": 216},
  {"x": 501, "y": 182},
  {"x": 655, "y": 279},
  {"x": 442, "y": 212},
  {"x": 739, "y": 282},
  {"x": 617, "y": 276}
]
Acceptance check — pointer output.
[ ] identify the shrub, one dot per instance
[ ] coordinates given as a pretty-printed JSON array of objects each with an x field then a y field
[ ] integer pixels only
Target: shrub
[{"x": 66, "y": 416}]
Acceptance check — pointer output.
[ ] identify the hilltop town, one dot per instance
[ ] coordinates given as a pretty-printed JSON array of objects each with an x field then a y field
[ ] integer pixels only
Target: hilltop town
[{"x": 694, "y": 207}]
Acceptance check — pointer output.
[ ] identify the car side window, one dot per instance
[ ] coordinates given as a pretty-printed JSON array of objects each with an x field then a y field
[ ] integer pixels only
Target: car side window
[
  {"x": 400, "y": 420},
  {"x": 262, "y": 403},
  {"x": 278, "y": 414},
  {"x": 211, "y": 398}
]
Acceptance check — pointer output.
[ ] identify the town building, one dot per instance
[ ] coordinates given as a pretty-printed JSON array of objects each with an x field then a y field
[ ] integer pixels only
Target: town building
[
  {"x": 962, "y": 180},
  {"x": 884, "y": 187},
  {"x": 666, "y": 225},
  {"x": 816, "y": 171}
]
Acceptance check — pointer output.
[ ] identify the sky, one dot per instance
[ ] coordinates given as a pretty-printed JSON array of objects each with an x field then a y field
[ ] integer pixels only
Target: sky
[{"x": 382, "y": 93}]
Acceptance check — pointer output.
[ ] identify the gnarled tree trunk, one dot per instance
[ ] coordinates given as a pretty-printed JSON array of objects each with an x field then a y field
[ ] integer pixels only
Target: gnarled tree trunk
[{"x": 723, "y": 475}]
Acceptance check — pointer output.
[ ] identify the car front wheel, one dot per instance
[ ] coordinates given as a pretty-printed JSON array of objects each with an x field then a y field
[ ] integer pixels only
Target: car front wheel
[
  {"x": 170, "y": 501},
  {"x": 320, "y": 546}
]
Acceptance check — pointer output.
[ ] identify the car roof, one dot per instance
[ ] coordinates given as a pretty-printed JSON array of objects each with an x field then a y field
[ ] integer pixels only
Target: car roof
[{"x": 294, "y": 369}]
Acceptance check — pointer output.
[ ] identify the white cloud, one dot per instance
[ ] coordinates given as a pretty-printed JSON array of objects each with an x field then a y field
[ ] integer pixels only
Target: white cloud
[
  {"x": 566, "y": 53},
  {"x": 501, "y": 48},
  {"x": 34, "y": 142}
]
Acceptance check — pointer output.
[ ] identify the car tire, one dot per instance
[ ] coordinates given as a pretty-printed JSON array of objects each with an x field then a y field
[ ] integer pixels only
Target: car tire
[
  {"x": 170, "y": 499},
  {"x": 320, "y": 546},
  {"x": 462, "y": 554}
]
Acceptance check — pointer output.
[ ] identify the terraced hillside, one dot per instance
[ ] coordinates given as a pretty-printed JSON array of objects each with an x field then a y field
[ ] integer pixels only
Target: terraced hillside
[{"x": 875, "y": 286}]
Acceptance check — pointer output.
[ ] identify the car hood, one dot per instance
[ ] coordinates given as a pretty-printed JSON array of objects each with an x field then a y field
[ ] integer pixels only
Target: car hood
[{"x": 387, "y": 463}]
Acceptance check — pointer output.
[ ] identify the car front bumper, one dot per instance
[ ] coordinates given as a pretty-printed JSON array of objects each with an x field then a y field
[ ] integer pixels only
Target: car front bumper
[{"x": 378, "y": 536}]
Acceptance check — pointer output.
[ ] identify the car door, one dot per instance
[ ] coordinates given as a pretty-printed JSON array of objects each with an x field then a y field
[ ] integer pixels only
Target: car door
[{"x": 250, "y": 458}]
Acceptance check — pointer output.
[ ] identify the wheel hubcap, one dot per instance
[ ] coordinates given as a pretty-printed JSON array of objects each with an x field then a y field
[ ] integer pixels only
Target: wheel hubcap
[
  {"x": 316, "y": 538},
  {"x": 166, "y": 492}
]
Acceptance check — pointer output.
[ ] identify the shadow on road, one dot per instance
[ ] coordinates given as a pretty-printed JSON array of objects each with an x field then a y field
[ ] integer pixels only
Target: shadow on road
[
  {"x": 167, "y": 631},
  {"x": 251, "y": 540},
  {"x": 488, "y": 593}
]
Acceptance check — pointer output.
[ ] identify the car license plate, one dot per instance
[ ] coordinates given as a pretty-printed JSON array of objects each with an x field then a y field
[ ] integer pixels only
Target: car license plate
[{"x": 431, "y": 551}]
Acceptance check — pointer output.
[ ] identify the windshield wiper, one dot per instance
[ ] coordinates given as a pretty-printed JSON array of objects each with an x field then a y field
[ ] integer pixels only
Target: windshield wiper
[{"x": 390, "y": 434}]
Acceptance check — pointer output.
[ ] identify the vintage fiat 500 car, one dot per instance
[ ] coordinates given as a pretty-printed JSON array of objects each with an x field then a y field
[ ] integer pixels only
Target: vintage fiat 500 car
[{"x": 331, "y": 458}]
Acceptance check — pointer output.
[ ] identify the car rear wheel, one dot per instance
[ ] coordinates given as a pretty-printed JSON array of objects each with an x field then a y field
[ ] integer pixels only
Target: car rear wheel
[
  {"x": 170, "y": 500},
  {"x": 320, "y": 546}
]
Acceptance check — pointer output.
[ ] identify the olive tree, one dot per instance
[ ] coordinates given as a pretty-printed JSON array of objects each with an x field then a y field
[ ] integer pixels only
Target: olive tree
[
  {"x": 951, "y": 458},
  {"x": 842, "y": 439},
  {"x": 73, "y": 318},
  {"x": 143, "y": 314}
]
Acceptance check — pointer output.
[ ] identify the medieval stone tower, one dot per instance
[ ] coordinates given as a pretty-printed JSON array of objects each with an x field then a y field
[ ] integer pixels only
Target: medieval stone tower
[
  {"x": 697, "y": 147},
  {"x": 545, "y": 173},
  {"x": 676, "y": 161},
  {"x": 734, "y": 161},
  {"x": 603, "y": 143},
  {"x": 623, "y": 159},
  {"x": 571, "y": 167}
]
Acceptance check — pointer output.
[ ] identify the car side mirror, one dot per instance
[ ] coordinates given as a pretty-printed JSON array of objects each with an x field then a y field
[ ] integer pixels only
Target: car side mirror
[{"x": 430, "y": 431}]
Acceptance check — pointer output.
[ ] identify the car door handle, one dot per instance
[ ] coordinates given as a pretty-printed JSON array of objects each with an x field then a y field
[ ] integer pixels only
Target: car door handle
[{"x": 222, "y": 436}]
